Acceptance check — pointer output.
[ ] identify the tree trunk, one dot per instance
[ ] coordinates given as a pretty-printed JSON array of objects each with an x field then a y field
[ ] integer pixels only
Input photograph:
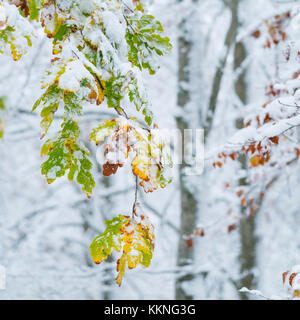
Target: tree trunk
[
  {"x": 188, "y": 200},
  {"x": 248, "y": 238},
  {"x": 218, "y": 77}
]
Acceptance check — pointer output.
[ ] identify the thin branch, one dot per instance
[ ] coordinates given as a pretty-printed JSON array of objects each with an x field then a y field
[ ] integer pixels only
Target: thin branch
[
  {"x": 135, "y": 197},
  {"x": 158, "y": 214}
]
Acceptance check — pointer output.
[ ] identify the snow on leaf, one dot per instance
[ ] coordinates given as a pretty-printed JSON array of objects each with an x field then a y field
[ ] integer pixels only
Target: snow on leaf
[
  {"x": 51, "y": 18},
  {"x": 72, "y": 105},
  {"x": 151, "y": 159},
  {"x": 135, "y": 238},
  {"x": 83, "y": 165},
  {"x": 61, "y": 32},
  {"x": 113, "y": 91},
  {"x": 102, "y": 131},
  {"x": 34, "y": 7},
  {"x": 97, "y": 50},
  {"x": 148, "y": 116},
  {"x": 102, "y": 246},
  {"x": 50, "y": 101},
  {"x": 15, "y": 31},
  {"x": 145, "y": 42},
  {"x": 137, "y": 248},
  {"x": 150, "y": 150},
  {"x": 136, "y": 97},
  {"x": 65, "y": 153}
]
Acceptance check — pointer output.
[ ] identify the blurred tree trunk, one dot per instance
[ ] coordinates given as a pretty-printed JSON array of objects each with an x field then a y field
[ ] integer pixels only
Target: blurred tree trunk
[
  {"x": 247, "y": 227},
  {"x": 248, "y": 238},
  {"x": 218, "y": 77},
  {"x": 188, "y": 198}
]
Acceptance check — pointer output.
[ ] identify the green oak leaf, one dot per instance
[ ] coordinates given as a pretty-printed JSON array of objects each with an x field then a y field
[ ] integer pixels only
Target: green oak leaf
[
  {"x": 34, "y": 7},
  {"x": 66, "y": 153},
  {"x": 102, "y": 131},
  {"x": 144, "y": 42},
  {"x": 111, "y": 238}
]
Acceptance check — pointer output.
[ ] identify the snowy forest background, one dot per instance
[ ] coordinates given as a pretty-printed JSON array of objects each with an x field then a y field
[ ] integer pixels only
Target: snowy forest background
[{"x": 218, "y": 74}]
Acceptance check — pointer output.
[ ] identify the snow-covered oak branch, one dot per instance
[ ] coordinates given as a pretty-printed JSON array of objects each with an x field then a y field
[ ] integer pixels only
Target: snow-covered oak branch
[{"x": 100, "y": 48}]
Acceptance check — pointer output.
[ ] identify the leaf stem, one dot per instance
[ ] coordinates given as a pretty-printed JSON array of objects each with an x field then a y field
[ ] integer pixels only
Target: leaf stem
[{"x": 135, "y": 198}]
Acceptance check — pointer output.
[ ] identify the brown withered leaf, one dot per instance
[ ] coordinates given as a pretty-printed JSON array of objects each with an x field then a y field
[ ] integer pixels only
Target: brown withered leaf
[
  {"x": 292, "y": 277},
  {"x": 199, "y": 232},
  {"x": 232, "y": 227},
  {"x": 189, "y": 242},
  {"x": 232, "y": 156},
  {"x": 296, "y": 74},
  {"x": 267, "y": 118},
  {"x": 247, "y": 124},
  {"x": 240, "y": 193},
  {"x": 217, "y": 164},
  {"x": 267, "y": 44},
  {"x": 109, "y": 169},
  {"x": 227, "y": 185},
  {"x": 284, "y": 275},
  {"x": 251, "y": 148},
  {"x": 256, "y": 34},
  {"x": 244, "y": 201},
  {"x": 23, "y": 5},
  {"x": 275, "y": 140}
]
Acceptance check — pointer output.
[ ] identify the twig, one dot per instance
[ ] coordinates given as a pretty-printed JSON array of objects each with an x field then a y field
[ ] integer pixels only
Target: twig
[{"x": 135, "y": 198}]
